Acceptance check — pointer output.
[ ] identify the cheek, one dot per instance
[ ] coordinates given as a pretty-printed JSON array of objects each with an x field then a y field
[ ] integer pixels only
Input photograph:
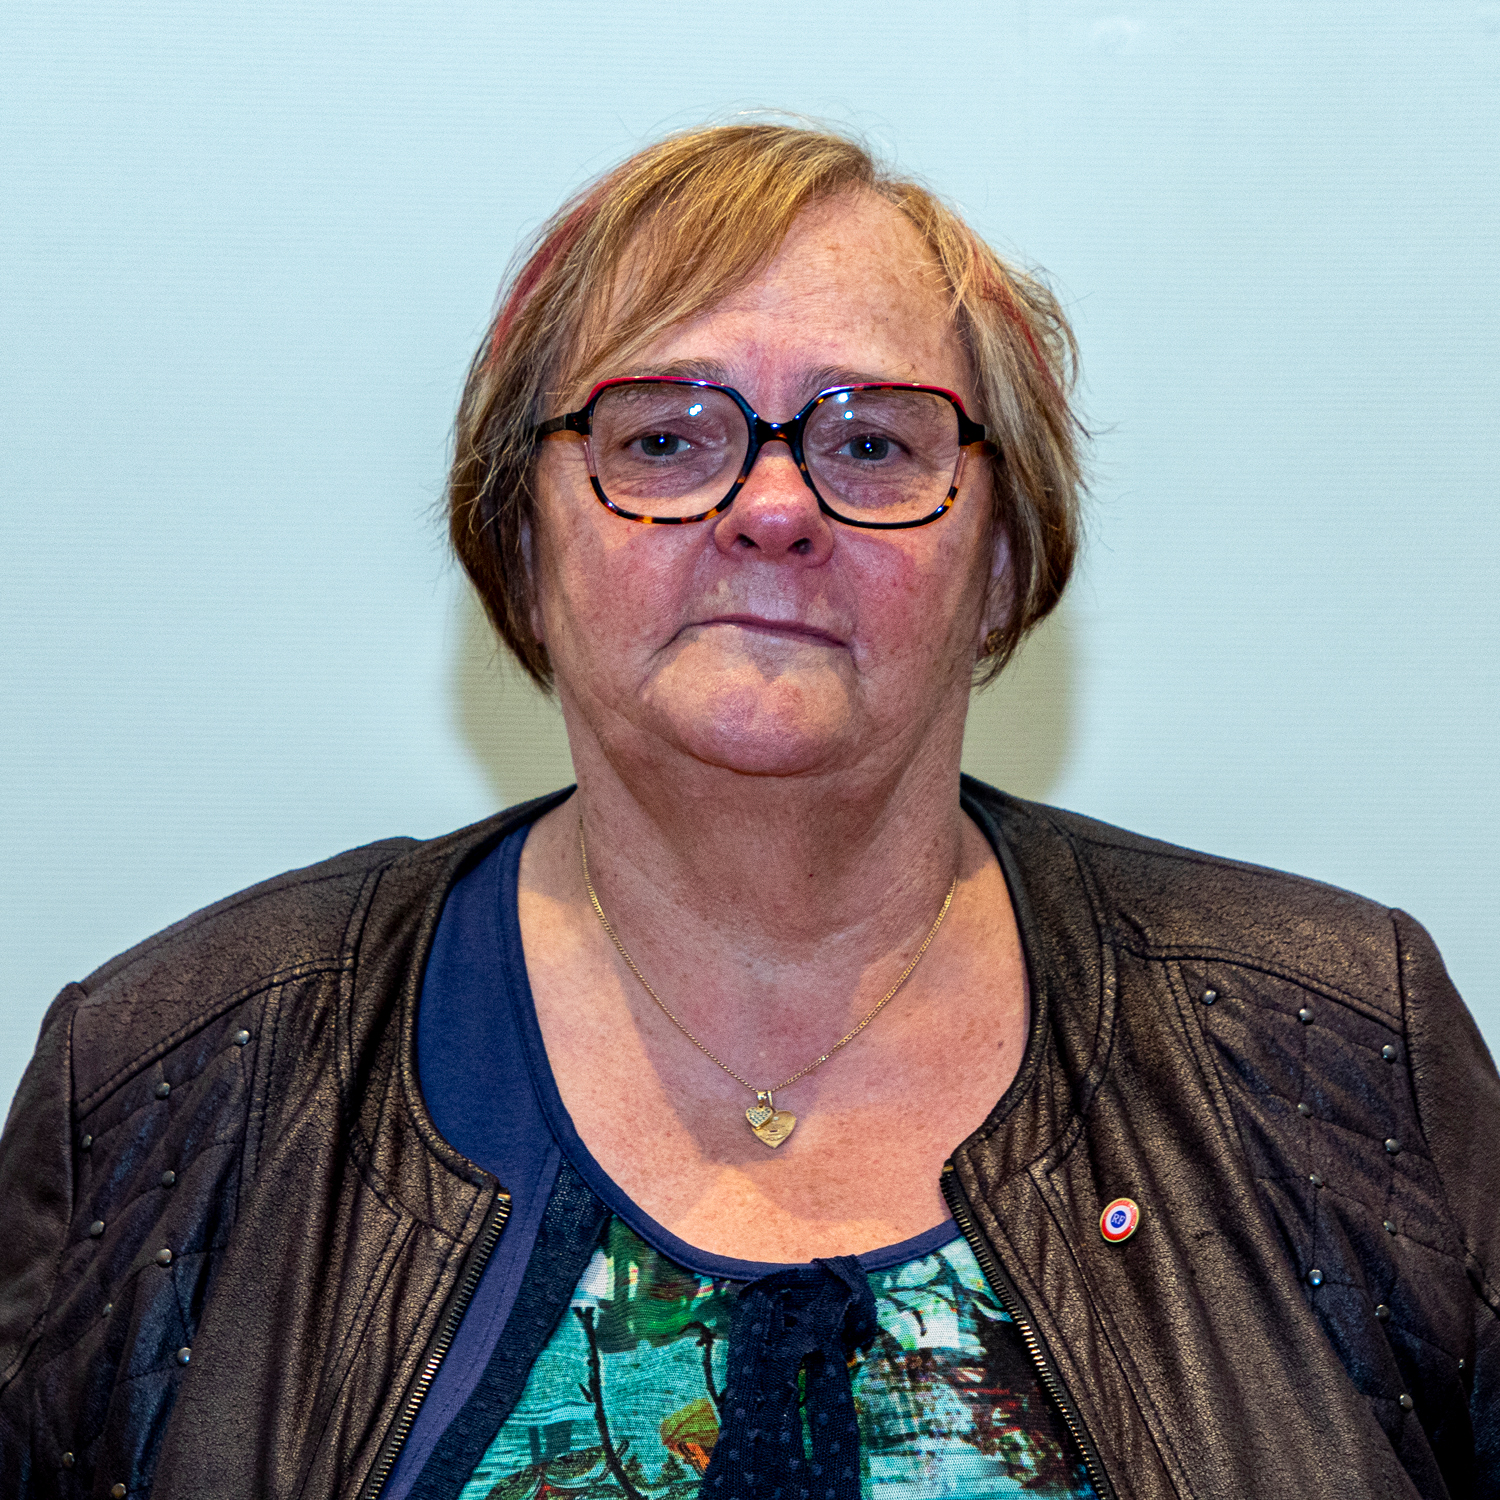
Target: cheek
[
  {"x": 899, "y": 588},
  {"x": 918, "y": 610},
  {"x": 608, "y": 591}
]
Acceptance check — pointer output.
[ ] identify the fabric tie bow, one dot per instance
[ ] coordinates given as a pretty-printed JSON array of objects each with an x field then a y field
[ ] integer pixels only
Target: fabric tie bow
[{"x": 811, "y": 1317}]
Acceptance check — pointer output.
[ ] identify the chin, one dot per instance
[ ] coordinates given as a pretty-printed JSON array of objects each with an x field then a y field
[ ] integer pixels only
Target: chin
[
  {"x": 774, "y": 730},
  {"x": 750, "y": 755}
]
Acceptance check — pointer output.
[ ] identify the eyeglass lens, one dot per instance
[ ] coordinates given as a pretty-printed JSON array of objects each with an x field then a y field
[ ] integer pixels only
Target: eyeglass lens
[{"x": 669, "y": 450}]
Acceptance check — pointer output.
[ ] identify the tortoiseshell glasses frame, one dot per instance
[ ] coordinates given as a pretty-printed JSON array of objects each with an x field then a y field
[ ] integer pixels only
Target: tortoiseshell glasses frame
[{"x": 760, "y": 432}]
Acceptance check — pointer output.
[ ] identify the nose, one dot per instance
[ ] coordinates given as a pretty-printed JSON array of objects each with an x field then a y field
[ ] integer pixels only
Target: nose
[{"x": 776, "y": 513}]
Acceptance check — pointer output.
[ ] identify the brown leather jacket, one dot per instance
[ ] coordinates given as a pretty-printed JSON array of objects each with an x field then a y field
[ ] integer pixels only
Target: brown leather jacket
[{"x": 234, "y": 1246}]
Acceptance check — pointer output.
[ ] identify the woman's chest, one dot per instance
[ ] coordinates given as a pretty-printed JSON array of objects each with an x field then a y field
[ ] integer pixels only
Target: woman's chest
[
  {"x": 861, "y": 1148},
  {"x": 640, "y": 1382}
]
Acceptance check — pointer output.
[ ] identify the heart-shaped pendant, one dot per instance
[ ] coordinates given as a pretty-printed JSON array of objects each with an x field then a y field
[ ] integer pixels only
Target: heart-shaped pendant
[
  {"x": 770, "y": 1124},
  {"x": 777, "y": 1128}
]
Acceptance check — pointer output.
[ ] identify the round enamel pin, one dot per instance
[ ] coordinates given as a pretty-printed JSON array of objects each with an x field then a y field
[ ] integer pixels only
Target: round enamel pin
[{"x": 1119, "y": 1219}]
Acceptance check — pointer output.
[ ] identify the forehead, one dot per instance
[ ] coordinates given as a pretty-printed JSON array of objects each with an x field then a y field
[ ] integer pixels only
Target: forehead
[
  {"x": 840, "y": 249},
  {"x": 852, "y": 286}
]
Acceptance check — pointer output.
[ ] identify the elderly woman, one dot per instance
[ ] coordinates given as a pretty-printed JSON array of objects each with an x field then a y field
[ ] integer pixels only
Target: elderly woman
[{"x": 776, "y": 1114}]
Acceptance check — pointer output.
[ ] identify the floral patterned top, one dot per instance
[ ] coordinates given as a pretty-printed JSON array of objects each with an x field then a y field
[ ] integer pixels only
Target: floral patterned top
[{"x": 624, "y": 1402}]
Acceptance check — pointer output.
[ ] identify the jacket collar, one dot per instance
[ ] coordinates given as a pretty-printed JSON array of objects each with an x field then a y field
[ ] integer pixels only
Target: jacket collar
[
  {"x": 387, "y": 945},
  {"x": 1070, "y": 974}
]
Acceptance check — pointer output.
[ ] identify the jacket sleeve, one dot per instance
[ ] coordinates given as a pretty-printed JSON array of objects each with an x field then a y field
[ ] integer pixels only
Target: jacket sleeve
[
  {"x": 1458, "y": 1103},
  {"x": 36, "y": 1186}
]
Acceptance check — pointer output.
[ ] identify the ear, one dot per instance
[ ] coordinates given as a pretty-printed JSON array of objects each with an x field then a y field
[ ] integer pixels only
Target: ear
[
  {"x": 533, "y": 581},
  {"x": 999, "y": 600}
]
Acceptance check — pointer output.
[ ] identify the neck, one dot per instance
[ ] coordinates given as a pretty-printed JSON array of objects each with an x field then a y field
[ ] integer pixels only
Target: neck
[{"x": 768, "y": 910}]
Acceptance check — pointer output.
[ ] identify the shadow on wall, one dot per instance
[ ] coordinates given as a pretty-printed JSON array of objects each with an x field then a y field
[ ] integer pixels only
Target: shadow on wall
[
  {"x": 514, "y": 732},
  {"x": 1018, "y": 735},
  {"x": 1020, "y": 731}
]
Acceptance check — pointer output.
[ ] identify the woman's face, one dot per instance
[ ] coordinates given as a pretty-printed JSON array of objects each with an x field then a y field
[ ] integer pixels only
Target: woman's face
[{"x": 772, "y": 639}]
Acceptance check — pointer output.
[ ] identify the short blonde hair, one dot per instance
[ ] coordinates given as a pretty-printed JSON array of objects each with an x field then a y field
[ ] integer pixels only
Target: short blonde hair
[{"x": 691, "y": 219}]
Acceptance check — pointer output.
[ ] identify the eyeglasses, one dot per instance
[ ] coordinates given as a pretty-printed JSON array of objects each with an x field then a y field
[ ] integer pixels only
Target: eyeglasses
[{"x": 670, "y": 451}]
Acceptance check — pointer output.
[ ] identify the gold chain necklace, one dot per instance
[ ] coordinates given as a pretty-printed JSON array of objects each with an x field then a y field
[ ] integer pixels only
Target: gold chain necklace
[{"x": 769, "y": 1124}]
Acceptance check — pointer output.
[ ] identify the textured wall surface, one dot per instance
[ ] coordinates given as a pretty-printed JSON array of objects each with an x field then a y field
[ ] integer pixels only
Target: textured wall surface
[{"x": 245, "y": 254}]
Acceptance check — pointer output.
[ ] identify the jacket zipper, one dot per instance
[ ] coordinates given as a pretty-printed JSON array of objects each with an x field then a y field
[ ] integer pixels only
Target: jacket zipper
[
  {"x": 442, "y": 1340},
  {"x": 1010, "y": 1299}
]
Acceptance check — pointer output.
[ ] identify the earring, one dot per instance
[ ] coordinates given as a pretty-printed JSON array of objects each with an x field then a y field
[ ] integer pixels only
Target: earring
[{"x": 993, "y": 642}]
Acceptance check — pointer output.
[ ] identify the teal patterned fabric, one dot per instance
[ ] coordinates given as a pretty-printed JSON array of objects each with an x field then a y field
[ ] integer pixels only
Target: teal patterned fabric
[{"x": 622, "y": 1404}]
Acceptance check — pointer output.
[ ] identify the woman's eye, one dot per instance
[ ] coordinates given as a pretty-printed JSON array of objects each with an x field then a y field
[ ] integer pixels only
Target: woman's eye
[
  {"x": 870, "y": 447},
  {"x": 661, "y": 445}
]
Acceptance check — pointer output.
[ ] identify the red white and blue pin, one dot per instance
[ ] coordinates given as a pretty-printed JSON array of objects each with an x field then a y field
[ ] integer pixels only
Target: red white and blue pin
[{"x": 1119, "y": 1220}]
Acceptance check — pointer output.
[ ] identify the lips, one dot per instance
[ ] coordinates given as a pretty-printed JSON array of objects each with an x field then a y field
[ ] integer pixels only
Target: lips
[{"x": 786, "y": 629}]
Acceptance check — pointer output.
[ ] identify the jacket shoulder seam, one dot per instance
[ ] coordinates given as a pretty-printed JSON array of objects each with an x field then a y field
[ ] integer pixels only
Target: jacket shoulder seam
[
  {"x": 206, "y": 1017},
  {"x": 1216, "y": 953},
  {"x": 1160, "y": 849},
  {"x": 110, "y": 971}
]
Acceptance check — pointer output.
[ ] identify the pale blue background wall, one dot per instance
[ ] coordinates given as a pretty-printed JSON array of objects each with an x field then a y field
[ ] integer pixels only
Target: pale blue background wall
[{"x": 245, "y": 253}]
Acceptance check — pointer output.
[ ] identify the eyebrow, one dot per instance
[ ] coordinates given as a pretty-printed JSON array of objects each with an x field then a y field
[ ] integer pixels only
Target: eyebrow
[
  {"x": 681, "y": 369},
  {"x": 812, "y": 381}
]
